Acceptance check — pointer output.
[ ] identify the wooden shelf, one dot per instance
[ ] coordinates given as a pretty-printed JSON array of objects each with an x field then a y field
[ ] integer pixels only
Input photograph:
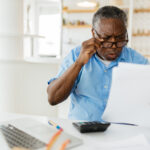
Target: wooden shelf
[
  {"x": 147, "y": 56},
  {"x": 79, "y": 10},
  {"x": 77, "y": 26},
  {"x": 142, "y": 10},
  {"x": 141, "y": 34},
  {"x": 136, "y": 10}
]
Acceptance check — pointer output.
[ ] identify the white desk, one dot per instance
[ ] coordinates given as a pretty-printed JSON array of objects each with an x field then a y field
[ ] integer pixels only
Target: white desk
[{"x": 114, "y": 132}]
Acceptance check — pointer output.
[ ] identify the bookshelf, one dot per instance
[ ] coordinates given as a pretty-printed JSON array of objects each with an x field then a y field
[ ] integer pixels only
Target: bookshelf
[
  {"x": 140, "y": 27},
  {"x": 78, "y": 23}
]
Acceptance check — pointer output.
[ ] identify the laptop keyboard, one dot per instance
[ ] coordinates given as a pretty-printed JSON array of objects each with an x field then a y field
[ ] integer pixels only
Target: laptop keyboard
[{"x": 17, "y": 138}]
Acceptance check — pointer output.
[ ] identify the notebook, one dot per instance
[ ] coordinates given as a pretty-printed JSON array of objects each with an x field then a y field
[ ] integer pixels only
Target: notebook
[{"x": 32, "y": 134}]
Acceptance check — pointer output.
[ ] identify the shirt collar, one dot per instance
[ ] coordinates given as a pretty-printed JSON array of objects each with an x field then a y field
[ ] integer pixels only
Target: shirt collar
[{"x": 122, "y": 55}]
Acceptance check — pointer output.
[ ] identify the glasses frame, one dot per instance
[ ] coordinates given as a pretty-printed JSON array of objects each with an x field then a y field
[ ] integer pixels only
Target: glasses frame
[{"x": 112, "y": 43}]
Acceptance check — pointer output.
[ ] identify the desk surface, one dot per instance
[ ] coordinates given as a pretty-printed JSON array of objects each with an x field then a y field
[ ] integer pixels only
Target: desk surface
[{"x": 114, "y": 132}]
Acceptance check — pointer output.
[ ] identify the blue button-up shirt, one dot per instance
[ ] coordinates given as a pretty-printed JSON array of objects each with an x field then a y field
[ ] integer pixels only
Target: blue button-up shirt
[{"x": 91, "y": 89}]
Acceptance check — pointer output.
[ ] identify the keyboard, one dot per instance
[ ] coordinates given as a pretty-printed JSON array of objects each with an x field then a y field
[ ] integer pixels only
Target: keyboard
[{"x": 17, "y": 138}]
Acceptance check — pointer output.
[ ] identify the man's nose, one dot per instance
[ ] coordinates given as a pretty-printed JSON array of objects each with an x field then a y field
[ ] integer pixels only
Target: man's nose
[
  {"x": 112, "y": 39},
  {"x": 114, "y": 45}
]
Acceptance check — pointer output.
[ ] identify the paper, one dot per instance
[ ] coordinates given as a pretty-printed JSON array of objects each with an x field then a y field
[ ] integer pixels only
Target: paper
[
  {"x": 134, "y": 143},
  {"x": 129, "y": 99}
]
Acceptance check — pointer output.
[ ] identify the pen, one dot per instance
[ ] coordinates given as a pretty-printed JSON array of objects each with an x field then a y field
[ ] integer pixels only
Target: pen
[
  {"x": 53, "y": 139},
  {"x": 123, "y": 123},
  {"x": 55, "y": 125}
]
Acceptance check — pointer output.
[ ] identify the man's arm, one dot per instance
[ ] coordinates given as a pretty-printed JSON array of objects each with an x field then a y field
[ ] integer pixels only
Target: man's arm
[{"x": 59, "y": 89}]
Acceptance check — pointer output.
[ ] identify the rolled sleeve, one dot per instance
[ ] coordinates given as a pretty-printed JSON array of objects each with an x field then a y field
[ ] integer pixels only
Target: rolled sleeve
[
  {"x": 51, "y": 80},
  {"x": 67, "y": 62}
]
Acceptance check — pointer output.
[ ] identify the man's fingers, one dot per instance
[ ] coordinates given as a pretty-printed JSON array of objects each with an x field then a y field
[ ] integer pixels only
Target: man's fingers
[
  {"x": 91, "y": 49},
  {"x": 99, "y": 40},
  {"x": 91, "y": 42}
]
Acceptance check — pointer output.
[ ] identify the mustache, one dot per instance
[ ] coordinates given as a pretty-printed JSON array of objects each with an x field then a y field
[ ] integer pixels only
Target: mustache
[{"x": 111, "y": 50}]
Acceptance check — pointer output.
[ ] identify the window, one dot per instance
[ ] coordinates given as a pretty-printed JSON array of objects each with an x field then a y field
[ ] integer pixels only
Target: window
[
  {"x": 49, "y": 27},
  {"x": 45, "y": 40}
]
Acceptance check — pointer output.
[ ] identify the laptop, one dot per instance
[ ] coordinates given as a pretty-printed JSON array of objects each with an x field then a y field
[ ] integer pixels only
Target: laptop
[{"x": 33, "y": 135}]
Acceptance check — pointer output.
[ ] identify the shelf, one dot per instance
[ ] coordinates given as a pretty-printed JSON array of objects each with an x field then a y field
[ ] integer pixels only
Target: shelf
[
  {"x": 87, "y": 10},
  {"x": 79, "y": 10},
  {"x": 142, "y": 10},
  {"x": 77, "y": 26},
  {"x": 141, "y": 34},
  {"x": 136, "y": 10},
  {"x": 147, "y": 56}
]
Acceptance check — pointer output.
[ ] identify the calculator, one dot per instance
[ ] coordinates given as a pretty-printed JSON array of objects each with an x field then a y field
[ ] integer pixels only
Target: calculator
[{"x": 92, "y": 126}]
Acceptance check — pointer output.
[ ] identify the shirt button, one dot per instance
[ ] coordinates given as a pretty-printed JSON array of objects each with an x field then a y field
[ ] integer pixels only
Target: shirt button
[
  {"x": 105, "y": 70},
  {"x": 105, "y": 86}
]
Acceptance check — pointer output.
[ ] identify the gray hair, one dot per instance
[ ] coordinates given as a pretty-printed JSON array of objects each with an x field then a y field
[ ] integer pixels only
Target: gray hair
[{"x": 109, "y": 12}]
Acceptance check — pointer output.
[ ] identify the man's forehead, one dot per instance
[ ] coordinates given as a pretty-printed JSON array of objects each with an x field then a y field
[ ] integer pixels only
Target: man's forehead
[{"x": 111, "y": 26}]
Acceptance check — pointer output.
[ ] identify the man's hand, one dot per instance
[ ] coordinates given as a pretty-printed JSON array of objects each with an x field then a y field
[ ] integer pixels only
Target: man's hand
[{"x": 89, "y": 48}]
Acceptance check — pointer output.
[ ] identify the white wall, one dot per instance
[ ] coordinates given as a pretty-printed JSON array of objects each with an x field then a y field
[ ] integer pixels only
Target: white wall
[
  {"x": 11, "y": 29},
  {"x": 23, "y": 87},
  {"x": 22, "y": 84}
]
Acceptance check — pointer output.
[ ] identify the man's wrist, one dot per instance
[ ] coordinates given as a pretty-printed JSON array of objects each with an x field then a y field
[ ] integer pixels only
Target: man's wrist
[{"x": 79, "y": 63}]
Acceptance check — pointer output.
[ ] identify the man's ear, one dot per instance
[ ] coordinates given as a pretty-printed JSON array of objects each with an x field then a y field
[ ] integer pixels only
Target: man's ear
[{"x": 93, "y": 33}]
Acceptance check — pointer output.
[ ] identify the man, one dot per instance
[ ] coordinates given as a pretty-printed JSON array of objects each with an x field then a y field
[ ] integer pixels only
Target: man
[{"x": 86, "y": 72}]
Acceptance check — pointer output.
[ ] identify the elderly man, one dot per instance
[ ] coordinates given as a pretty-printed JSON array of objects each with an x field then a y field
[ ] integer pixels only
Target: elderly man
[{"x": 86, "y": 72}]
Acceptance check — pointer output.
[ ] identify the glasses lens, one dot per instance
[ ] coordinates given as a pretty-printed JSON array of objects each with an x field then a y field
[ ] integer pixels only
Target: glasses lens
[
  {"x": 118, "y": 44},
  {"x": 121, "y": 44},
  {"x": 107, "y": 44}
]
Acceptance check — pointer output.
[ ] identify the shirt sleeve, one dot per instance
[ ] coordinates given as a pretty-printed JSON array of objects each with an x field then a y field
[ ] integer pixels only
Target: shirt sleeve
[{"x": 67, "y": 62}]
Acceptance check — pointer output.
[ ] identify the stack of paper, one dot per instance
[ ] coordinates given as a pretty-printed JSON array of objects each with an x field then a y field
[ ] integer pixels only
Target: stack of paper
[{"x": 129, "y": 99}]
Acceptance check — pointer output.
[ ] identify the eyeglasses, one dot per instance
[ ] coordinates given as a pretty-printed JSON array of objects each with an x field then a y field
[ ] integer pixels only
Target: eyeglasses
[
  {"x": 118, "y": 44},
  {"x": 107, "y": 44}
]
